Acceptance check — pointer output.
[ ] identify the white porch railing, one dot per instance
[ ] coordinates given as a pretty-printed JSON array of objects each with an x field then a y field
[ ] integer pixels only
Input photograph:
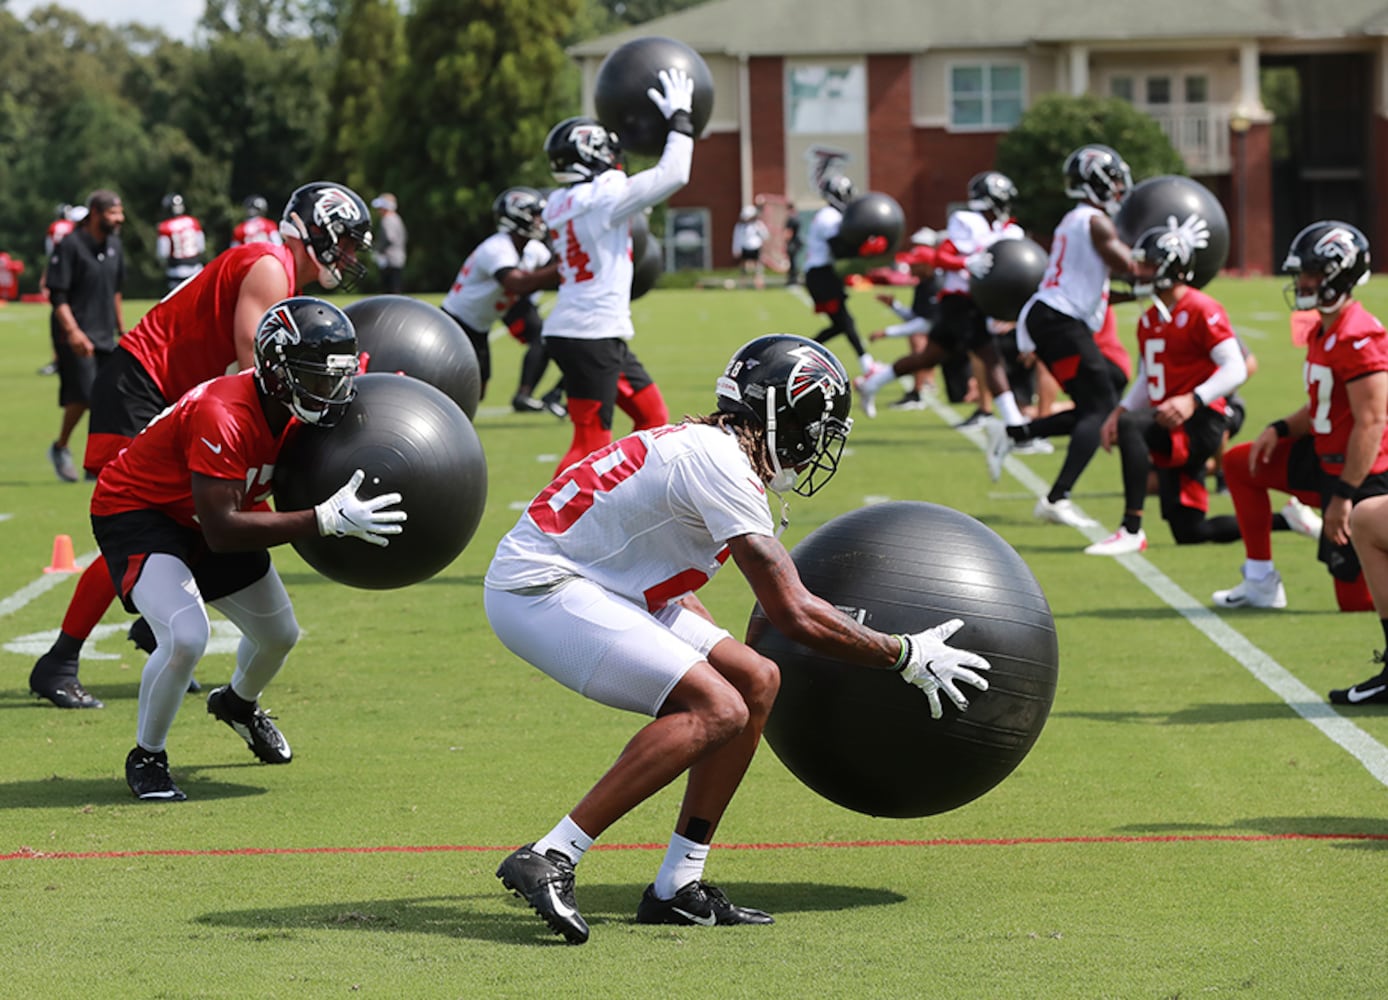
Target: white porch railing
[{"x": 1200, "y": 133}]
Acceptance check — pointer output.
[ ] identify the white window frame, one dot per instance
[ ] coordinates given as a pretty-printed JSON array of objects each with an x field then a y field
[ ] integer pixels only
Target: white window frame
[{"x": 988, "y": 124}]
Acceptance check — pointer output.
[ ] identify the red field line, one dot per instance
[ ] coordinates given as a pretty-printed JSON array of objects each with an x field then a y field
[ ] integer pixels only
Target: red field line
[{"x": 30, "y": 854}]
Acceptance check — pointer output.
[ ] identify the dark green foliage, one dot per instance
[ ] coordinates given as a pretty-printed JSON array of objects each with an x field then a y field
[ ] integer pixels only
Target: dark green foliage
[{"x": 1033, "y": 153}]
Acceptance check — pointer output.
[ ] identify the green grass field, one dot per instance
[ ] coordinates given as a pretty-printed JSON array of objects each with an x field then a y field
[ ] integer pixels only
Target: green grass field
[{"x": 1193, "y": 822}]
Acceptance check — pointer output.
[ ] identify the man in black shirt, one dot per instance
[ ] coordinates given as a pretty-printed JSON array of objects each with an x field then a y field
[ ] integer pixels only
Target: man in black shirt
[{"x": 85, "y": 275}]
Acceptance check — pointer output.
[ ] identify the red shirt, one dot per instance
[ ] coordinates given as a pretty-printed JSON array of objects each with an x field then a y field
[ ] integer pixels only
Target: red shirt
[
  {"x": 188, "y": 337},
  {"x": 1355, "y": 346},
  {"x": 257, "y": 229},
  {"x": 1176, "y": 352},
  {"x": 1110, "y": 346},
  {"x": 184, "y": 234},
  {"x": 218, "y": 430}
]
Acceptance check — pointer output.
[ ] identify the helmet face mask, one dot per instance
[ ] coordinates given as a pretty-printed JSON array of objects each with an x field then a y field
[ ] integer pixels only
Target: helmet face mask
[
  {"x": 1326, "y": 260},
  {"x": 334, "y": 225},
  {"x": 992, "y": 191},
  {"x": 306, "y": 357},
  {"x": 798, "y": 393},
  {"x": 255, "y": 206},
  {"x": 1169, "y": 262},
  {"x": 837, "y": 190},
  {"x": 520, "y": 210},
  {"x": 1097, "y": 174},
  {"x": 579, "y": 149},
  {"x": 172, "y": 205}
]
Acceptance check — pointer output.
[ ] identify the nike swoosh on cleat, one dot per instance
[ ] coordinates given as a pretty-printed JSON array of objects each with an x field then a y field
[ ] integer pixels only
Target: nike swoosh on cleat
[
  {"x": 559, "y": 905},
  {"x": 1355, "y": 695},
  {"x": 707, "y": 921}
]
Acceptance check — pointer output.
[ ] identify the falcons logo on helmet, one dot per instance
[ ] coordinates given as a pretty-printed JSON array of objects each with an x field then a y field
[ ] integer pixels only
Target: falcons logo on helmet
[
  {"x": 334, "y": 204},
  {"x": 1092, "y": 161},
  {"x": 1338, "y": 246},
  {"x": 813, "y": 372},
  {"x": 279, "y": 328},
  {"x": 589, "y": 140}
]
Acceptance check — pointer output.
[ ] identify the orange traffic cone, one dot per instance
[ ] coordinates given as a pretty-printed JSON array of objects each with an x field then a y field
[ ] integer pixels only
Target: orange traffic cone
[{"x": 63, "y": 561}]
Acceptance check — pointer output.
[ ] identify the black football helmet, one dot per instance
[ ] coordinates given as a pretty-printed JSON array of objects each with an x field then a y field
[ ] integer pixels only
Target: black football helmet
[
  {"x": 172, "y": 205},
  {"x": 255, "y": 206},
  {"x": 992, "y": 191},
  {"x": 1336, "y": 251},
  {"x": 1098, "y": 174},
  {"x": 798, "y": 393},
  {"x": 580, "y": 149},
  {"x": 520, "y": 210},
  {"x": 837, "y": 190},
  {"x": 306, "y": 357},
  {"x": 1173, "y": 259},
  {"x": 334, "y": 225}
]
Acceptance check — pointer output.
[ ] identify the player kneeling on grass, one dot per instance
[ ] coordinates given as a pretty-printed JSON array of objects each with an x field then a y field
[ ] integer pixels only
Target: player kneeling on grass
[
  {"x": 594, "y": 586},
  {"x": 181, "y": 518}
]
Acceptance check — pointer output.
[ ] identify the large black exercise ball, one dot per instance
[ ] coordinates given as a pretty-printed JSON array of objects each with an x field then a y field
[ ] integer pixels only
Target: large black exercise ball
[
  {"x": 409, "y": 438},
  {"x": 864, "y": 738},
  {"x": 621, "y": 101},
  {"x": 396, "y": 333},
  {"x": 1158, "y": 199},
  {"x": 1018, "y": 266},
  {"x": 872, "y": 225},
  {"x": 646, "y": 270}
]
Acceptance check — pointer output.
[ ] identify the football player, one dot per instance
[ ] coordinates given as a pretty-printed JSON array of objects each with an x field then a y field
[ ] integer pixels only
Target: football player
[
  {"x": 255, "y": 227},
  {"x": 180, "y": 241},
  {"x": 595, "y": 587},
  {"x": 822, "y": 279}
]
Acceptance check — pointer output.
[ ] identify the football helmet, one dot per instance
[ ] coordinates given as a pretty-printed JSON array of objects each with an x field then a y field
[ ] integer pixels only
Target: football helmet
[
  {"x": 520, "y": 210},
  {"x": 580, "y": 149},
  {"x": 255, "y": 206},
  {"x": 1172, "y": 258},
  {"x": 1096, "y": 173},
  {"x": 992, "y": 191},
  {"x": 306, "y": 357},
  {"x": 172, "y": 205},
  {"x": 1338, "y": 253},
  {"x": 798, "y": 393},
  {"x": 334, "y": 225},
  {"x": 837, "y": 190}
]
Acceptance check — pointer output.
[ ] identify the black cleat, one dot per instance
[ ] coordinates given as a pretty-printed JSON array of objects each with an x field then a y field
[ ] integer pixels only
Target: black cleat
[
  {"x": 522, "y": 403},
  {"x": 1373, "y": 691},
  {"x": 260, "y": 734},
  {"x": 546, "y": 882},
  {"x": 147, "y": 774},
  {"x": 698, "y": 903},
  {"x": 56, "y": 679},
  {"x": 554, "y": 403},
  {"x": 973, "y": 418}
]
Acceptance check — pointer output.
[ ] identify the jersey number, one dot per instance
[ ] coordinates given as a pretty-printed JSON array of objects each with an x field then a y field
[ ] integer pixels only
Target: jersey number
[
  {"x": 575, "y": 258},
  {"x": 570, "y": 496},
  {"x": 1156, "y": 371},
  {"x": 1320, "y": 382}
]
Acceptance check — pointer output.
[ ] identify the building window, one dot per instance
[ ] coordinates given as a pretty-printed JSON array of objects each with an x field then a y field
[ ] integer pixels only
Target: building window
[
  {"x": 1159, "y": 90},
  {"x": 688, "y": 245},
  {"x": 987, "y": 95},
  {"x": 827, "y": 100},
  {"x": 1197, "y": 89},
  {"x": 1121, "y": 87}
]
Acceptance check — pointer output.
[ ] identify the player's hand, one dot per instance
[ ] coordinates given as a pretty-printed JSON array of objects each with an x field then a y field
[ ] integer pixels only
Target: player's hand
[
  {"x": 1108, "y": 431},
  {"x": 678, "y": 92},
  {"x": 81, "y": 344},
  {"x": 934, "y": 666},
  {"x": 345, "y": 513},
  {"x": 1194, "y": 233},
  {"x": 979, "y": 264}
]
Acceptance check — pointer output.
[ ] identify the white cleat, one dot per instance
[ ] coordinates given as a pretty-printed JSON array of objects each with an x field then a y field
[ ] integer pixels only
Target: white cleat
[
  {"x": 1120, "y": 543},
  {"x": 1265, "y": 593},
  {"x": 869, "y": 384},
  {"x": 1302, "y": 519},
  {"x": 1062, "y": 512},
  {"x": 996, "y": 445},
  {"x": 1036, "y": 446}
]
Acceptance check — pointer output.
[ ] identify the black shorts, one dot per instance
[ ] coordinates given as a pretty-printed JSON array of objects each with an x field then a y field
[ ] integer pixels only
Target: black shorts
[
  {"x": 824, "y": 285},
  {"x": 479, "y": 346},
  {"x": 127, "y": 539},
  {"x": 593, "y": 370},
  {"x": 125, "y": 398},
  {"x": 961, "y": 324},
  {"x": 77, "y": 375},
  {"x": 523, "y": 321},
  {"x": 750, "y": 254},
  {"x": 1066, "y": 345}
]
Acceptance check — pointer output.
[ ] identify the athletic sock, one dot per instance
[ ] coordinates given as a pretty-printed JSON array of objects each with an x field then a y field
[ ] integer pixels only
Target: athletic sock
[
  {"x": 684, "y": 863},
  {"x": 1132, "y": 523},
  {"x": 568, "y": 839},
  {"x": 91, "y": 598},
  {"x": 1006, "y": 405}
]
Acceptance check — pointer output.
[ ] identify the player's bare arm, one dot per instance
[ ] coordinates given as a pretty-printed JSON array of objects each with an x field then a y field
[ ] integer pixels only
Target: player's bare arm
[
  {"x": 1112, "y": 249},
  {"x": 518, "y": 281},
  {"x": 228, "y": 528},
  {"x": 264, "y": 285}
]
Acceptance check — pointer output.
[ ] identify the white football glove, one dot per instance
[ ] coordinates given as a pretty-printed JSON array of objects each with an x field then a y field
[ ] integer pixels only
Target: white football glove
[
  {"x": 979, "y": 264},
  {"x": 1194, "y": 233},
  {"x": 345, "y": 513},
  {"x": 934, "y": 666},
  {"x": 678, "y": 95}
]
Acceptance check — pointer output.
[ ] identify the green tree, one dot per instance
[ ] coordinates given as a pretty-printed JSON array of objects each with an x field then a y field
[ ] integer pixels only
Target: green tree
[
  {"x": 371, "y": 51},
  {"x": 1033, "y": 153},
  {"x": 468, "y": 115}
]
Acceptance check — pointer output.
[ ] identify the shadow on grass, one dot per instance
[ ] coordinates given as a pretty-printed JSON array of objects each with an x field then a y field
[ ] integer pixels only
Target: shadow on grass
[
  {"x": 1347, "y": 827},
  {"x": 1216, "y": 713},
  {"x": 475, "y": 916},
  {"x": 57, "y": 792},
  {"x": 23, "y": 698},
  {"x": 302, "y": 579}
]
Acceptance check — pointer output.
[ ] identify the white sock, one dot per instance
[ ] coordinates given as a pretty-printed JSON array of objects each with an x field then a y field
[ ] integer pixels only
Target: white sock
[
  {"x": 568, "y": 839},
  {"x": 876, "y": 380},
  {"x": 1258, "y": 569},
  {"x": 684, "y": 862},
  {"x": 867, "y": 361},
  {"x": 1006, "y": 404}
]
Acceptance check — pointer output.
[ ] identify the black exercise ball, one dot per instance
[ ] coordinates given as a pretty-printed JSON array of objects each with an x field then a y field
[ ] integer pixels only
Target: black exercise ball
[
  {"x": 648, "y": 268},
  {"x": 864, "y": 738},
  {"x": 640, "y": 233},
  {"x": 1158, "y": 199},
  {"x": 396, "y": 333},
  {"x": 1018, "y": 266},
  {"x": 621, "y": 101},
  {"x": 872, "y": 225},
  {"x": 409, "y": 438}
]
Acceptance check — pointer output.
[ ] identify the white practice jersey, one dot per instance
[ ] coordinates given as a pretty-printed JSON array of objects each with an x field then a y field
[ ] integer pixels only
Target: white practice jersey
[
  {"x": 591, "y": 226},
  {"x": 647, "y": 518},
  {"x": 970, "y": 232},
  {"x": 824, "y": 226},
  {"x": 1076, "y": 278},
  {"x": 477, "y": 297}
]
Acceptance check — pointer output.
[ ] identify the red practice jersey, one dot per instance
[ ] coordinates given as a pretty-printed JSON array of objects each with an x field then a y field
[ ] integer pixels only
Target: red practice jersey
[
  {"x": 1176, "y": 352},
  {"x": 257, "y": 229},
  {"x": 1355, "y": 346}
]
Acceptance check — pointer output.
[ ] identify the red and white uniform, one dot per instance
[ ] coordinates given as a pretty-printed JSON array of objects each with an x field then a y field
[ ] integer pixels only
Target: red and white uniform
[
  {"x": 180, "y": 244},
  {"x": 1110, "y": 346},
  {"x": 824, "y": 226},
  {"x": 966, "y": 233},
  {"x": 477, "y": 297},
  {"x": 256, "y": 229},
  {"x": 1076, "y": 278},
  {"x": 647, "y": 518},
  {"x": 1176, "y": 353},
  {"x": 57, "y": 229},
  {"x": 188, "y": 336},
  {"x": 218, "y": 430},
  {"x": 591, "y": 223},
  {"x": 1355, "y": 346}
]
